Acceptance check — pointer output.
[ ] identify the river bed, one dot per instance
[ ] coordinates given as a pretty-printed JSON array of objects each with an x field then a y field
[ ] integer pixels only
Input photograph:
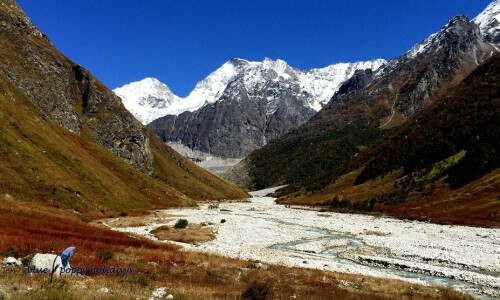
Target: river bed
[{"x": 464, "y": 258}]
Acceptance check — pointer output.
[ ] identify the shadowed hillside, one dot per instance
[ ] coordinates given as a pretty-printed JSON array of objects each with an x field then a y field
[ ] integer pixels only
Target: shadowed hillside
[
  {"x": 442, "y": 164},
  {"x": 366, "y": 107},
  {"x": 67, "y": 140}
]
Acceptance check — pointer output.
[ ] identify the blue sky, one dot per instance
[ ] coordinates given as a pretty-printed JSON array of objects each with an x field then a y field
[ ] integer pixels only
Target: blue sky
[{"x": 180, "y": 42}]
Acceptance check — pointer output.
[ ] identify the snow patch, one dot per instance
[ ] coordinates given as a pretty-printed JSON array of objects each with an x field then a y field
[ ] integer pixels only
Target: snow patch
[{"x": 489, "y": 19}]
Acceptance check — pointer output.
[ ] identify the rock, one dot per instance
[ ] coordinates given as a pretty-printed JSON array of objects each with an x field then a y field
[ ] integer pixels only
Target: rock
[
  {"x": 10, "y": 262},
  {"x": 170, "y": 296},
  {"x": 241, "y": 121},
  {"x": 42, "y": 263},
  {"x": 359, "y": 80},
  {"x": 158, "y": 293},
  {"x": 103, "y": 290},
  {"x": 259, "y": 265},
  {"x": 344, "y": 283}
]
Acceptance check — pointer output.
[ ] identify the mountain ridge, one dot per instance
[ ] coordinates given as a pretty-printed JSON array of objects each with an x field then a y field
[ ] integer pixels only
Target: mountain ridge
[
  {"x": 367, "y": 103},
  {"x": 262, "y": 101},
  {"x": 440, "y": 165},
  {"x": 321, "y": 83}
]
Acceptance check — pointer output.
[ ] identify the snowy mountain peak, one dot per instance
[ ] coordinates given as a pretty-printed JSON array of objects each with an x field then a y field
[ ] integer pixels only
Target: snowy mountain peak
[
  {"x": 456, "y": 26},
  {"x": 147, "y": 87},
  {"x": 489, "y": 22},
  {"x": 269, "y": 63},
  {"x": 318, "y": 85},
  {"x": 147, "y": 99},
  {"x": 237, "y": 60}
]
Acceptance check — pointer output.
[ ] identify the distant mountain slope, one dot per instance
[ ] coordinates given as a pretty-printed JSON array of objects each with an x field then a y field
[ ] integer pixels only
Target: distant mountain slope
[
  {"x": 369, "y": 104},
  {"x": 443, "y": 164},
  {"x": 466, "y": 118},
  {"x": 94, "y": 119},
  {"x": 149, "y": 98},
  {"x": 240, "y": 106}
]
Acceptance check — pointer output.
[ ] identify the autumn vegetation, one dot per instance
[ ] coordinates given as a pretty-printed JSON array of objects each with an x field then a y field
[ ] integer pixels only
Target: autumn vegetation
[
  {"x": 442, "y": 165},
  {"x": 32, "y": 228}
]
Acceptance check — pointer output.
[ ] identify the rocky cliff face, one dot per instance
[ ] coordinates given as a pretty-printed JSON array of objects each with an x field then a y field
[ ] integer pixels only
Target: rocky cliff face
[
  {"x": 240, "y": 121},
  {"x": 66, "y": 92}
]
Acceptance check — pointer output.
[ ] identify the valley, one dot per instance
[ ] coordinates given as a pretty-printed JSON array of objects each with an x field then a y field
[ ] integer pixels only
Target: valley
[
  {"x": 159, "y": 266},
  {"x": 464, "y": 258},
  {"x": 372, "y": 179}
]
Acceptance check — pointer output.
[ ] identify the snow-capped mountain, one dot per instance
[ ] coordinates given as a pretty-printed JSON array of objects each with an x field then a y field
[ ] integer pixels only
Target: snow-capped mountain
[
  {"x": 245, "y": 104},
  {"x": 489, "y": 25},
  {"x": 489, "y": 22},
  {"x": 150, "y": 99},
  {"x": 370, "y": 101},
  {"x": 320, "y": 83},
  {"x": 407, "y": 83}
]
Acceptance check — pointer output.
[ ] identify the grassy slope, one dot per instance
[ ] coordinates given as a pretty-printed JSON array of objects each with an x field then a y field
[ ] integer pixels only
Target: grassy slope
[
  {"x": 475, "y": 204},
  {"x": 41, "y": 161},
  {"x": 466, "y": 118},
  {"x": 187, "y": 275},
  {"x": 363, "y": 101},
  {"x": 307, "y": 159},
  {"x": 407, "y": 174}
]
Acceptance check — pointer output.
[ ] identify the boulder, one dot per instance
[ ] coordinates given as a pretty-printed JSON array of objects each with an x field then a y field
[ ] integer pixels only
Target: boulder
[
  {"x": 159, "y": 293},
  {"x": 42, "y": 262},
  {"x": 11, "y": 262},
  {"x": 259, "y": 265}
]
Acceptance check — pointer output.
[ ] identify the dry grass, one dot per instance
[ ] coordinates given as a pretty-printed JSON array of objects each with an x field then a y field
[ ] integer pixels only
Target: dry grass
[
  {"x": 374, "y": 232},
  {"x": 35, "y": 228},
  {"x": 476, "y": 204},
  {"x": 43, "y": 162},
  {"x": 344, "y": 188},
  {"x": 135, "y": 221},
  {"x": 324, "y": 215},
  {"x": 193, "y": 234},
  {"x": 213, "y": 282}
]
